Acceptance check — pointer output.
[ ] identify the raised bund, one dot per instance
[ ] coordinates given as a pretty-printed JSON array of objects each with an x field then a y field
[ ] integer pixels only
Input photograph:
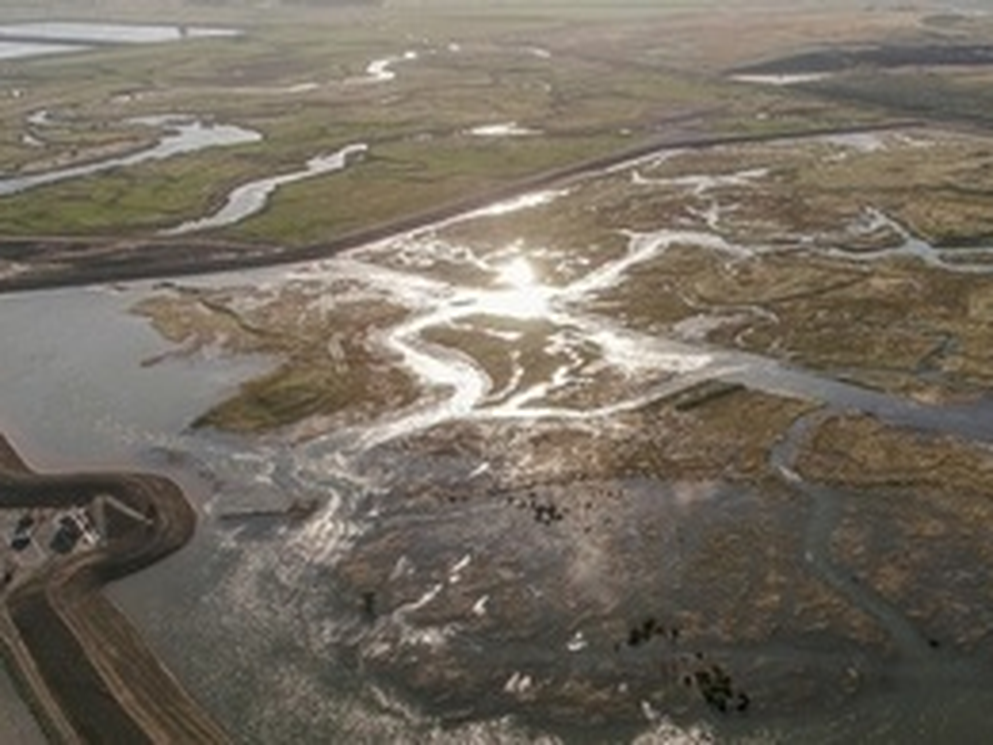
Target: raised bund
[{"x": 83, "y": 668}]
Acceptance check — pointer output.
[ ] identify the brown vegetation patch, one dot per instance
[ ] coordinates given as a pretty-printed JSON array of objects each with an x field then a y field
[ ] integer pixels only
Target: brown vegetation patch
[
  {"x": 329, "y": 364},
  {"x": 920, "y": 529}
]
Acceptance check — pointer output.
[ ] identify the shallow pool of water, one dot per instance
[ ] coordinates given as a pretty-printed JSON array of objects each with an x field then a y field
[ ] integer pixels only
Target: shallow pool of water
[{"x": 107, "y": 33}]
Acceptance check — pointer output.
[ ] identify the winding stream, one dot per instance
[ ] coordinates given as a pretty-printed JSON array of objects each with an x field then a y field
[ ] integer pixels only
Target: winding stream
[
  {"x": 824, "y": 518},
  {"x": 182, "y": 136},
  {"x": 441, "y": 369},
  {"x": 381, "y": 70},
  {"x": 251, "y": 198},
  {"x": 972, "y": 259}
]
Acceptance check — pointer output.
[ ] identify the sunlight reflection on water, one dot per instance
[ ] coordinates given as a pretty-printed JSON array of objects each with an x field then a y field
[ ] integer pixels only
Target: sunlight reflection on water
[{"x": 525, "y": 296}]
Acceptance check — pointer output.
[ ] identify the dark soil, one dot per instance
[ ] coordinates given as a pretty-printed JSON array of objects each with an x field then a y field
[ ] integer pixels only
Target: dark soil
[{"x": 839, "y": 59}]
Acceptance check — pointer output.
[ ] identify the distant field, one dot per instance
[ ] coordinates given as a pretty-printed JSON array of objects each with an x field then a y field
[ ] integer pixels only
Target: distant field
[{"x": 586, "y": 79}]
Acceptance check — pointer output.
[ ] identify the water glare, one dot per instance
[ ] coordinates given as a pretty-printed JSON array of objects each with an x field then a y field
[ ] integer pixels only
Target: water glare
[
  {"x": 524, "y": 297},
  {"x": 518, "y": 273}
]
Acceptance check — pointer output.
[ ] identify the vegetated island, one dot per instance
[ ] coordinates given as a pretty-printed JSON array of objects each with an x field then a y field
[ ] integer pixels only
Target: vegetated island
[{"x": 82, "y": 667}]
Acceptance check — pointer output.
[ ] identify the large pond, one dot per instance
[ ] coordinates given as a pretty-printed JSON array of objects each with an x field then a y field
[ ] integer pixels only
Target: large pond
[
  {"x": 108, "y": 33},
  {"x": 35, "y": 39}
]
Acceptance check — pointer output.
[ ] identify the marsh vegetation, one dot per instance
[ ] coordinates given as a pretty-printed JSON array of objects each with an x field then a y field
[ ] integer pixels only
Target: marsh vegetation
[{"x": 627, "y": 389}]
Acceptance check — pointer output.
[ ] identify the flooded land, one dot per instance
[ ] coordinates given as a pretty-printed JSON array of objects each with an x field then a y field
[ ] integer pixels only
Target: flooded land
[
  {"x": 623, "y": 437},
  {"x": 647, "y": 404}
]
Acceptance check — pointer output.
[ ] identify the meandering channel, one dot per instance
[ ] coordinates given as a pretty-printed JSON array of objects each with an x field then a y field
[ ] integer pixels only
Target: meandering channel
[
  {"x": 824, "y": 518},
  {"x": 182, "y": 136},
  {"x": 251, "y": 198}
]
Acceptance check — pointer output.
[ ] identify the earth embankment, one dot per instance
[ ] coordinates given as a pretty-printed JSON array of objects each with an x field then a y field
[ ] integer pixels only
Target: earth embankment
[{"x": 88, "y": 674}]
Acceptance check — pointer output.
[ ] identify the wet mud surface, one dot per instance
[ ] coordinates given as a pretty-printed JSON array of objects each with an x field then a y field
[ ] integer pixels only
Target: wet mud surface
[
  {"x": 591, "y": 595},
  {"x": 703, "y": 437}
]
